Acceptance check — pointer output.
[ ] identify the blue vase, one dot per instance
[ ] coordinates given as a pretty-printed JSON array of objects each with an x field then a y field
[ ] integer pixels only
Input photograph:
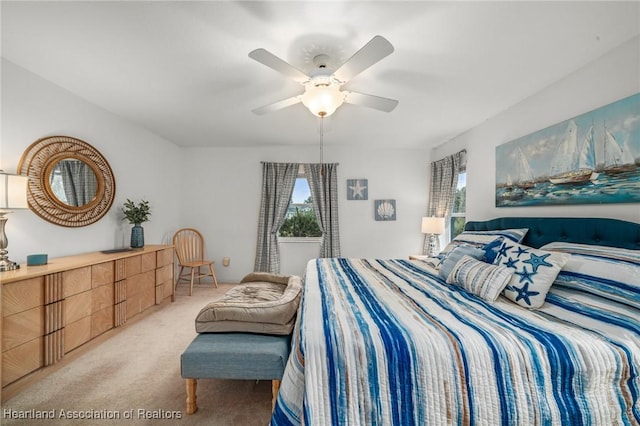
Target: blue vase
[{"x": 137, "y": 236}]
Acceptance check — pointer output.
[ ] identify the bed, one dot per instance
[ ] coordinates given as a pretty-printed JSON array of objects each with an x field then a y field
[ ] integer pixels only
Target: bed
[{"x": 389, "y": 341}]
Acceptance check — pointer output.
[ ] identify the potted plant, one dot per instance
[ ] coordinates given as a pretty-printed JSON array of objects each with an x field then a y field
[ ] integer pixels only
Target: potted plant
[{"x": 136, "y": 214}]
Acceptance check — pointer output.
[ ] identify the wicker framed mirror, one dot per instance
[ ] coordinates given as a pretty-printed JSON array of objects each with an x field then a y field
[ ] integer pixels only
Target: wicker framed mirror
[{"x": 70, "y": 182}]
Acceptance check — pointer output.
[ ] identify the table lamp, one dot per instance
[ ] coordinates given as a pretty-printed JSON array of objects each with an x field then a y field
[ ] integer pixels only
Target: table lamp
[
  {"x": 432, "y": 226},
  {"x": 13, "y": 195}
]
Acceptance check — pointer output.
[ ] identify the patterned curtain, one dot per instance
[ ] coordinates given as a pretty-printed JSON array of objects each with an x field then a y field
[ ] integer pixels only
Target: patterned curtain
[
  {"x": 79, "y": 182},
  {"x": 323, "y": 184},
  {"x": 278, "y": 180},
  {"x": 444, "y": 180}
]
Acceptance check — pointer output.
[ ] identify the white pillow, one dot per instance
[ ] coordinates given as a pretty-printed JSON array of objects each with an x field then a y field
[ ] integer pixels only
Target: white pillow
[
  {"x": 610, "y": 272},
  {"x": 480, "y": 278},
  {"x": 481, "y": 238},
  {"x": 534, "y": 271}
]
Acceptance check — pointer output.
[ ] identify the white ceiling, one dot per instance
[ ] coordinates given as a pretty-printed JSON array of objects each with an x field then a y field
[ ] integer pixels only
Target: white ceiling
[{"x": 181, "y": 70}]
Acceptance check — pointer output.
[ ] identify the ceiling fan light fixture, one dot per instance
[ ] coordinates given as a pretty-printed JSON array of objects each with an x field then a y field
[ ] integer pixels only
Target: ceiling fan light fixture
[
  {"x": 322, "y": 95},
  {"x": 322, "y": 101}
]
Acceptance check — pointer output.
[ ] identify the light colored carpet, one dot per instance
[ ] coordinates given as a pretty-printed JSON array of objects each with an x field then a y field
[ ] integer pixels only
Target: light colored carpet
[{"x": 136, "y": 373}]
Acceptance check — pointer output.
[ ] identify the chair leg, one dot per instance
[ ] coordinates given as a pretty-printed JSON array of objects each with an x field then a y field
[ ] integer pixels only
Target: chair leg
[
  {"x": 193, "y": 274},
  {"x": 213, "y": 275},
  {"x": 178, "y": 280}
]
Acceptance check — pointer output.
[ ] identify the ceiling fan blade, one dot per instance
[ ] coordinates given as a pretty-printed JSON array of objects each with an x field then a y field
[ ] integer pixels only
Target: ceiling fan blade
[
  {"x": 272, "y": 61},
  {"x": 377, "y": 48},
  {"x": 371, "y": 101},
  {"x": 277, "y": 105}
]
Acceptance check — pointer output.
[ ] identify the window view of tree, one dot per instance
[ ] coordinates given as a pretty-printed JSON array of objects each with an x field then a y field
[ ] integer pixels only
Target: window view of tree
[
  {"x": 300, "y": 220},
  {"x": 458, "y": 212}
]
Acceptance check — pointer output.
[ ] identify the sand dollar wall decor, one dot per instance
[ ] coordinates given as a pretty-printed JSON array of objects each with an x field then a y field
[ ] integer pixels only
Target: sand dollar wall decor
[{"x": 70, "y": 182}]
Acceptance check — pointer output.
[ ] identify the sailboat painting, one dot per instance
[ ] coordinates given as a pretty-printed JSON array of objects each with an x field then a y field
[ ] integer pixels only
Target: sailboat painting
[{"x": 593, "y": 158}]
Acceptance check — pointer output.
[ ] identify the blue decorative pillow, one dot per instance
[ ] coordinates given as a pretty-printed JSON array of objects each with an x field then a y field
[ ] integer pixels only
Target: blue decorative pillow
[
  {"x": 533, "y": 272},
  {"x": 455, "y": 255},
  {"x": 480, "y": 278},
  {"x": 491, "y": 250}
]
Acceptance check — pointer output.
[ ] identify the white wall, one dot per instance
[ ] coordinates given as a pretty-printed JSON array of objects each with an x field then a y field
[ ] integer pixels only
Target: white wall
[
  {"x": 143, "y": 164},
  {"x": 216, "y": 190},
  {"x": 612, "y": 77},
  {"x": 222, "y": 192}
]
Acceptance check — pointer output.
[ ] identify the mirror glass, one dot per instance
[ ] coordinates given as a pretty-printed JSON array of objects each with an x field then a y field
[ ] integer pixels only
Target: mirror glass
[
  {"x": 70, "y": 182},
  {"x": 73, "y": 182}
]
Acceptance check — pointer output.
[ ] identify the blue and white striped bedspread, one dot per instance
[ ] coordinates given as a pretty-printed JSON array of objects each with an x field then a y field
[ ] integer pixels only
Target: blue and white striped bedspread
[{"x": 383, "y": 342}]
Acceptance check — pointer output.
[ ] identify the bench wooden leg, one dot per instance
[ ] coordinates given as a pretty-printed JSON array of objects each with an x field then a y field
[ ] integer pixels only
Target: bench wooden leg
[
  {"x": 275, "y": 387},
  {"x": 192, "y": 403}
]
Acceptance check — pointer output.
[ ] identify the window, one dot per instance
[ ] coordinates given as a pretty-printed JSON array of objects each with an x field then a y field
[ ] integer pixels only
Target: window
[
  {"x": 300, "y": 220},
  {"x": 458, "y": 212}
]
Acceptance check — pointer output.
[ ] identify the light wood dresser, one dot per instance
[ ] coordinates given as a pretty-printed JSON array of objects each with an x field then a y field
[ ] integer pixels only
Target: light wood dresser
[{"x": 51, "y": 310}]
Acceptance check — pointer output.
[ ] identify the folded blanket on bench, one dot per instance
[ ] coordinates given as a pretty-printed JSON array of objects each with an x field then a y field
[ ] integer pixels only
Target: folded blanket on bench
[{"x": 262, "y": 303}]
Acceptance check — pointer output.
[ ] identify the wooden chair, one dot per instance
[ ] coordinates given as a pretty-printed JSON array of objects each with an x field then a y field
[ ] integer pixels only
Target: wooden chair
[{"x": 189, "y": 246}]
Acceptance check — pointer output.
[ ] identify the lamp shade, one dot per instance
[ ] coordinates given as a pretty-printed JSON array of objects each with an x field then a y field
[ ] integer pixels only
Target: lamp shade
[
  {"x": 322, "y": 100},
  {"x": 13, "y": 191},
  {"x": 433, "y": 225}
]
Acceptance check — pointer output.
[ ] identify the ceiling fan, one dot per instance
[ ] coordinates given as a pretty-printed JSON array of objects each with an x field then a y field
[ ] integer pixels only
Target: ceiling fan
[{"x": 322, "y": 94}]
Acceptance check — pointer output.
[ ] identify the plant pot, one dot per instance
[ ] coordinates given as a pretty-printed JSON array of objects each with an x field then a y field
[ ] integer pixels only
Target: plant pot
[{"x": 137, "y": 236}]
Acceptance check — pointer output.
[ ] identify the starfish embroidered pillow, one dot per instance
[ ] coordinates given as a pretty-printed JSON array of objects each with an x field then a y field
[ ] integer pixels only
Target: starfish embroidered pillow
[{"x": 534, "y": 271}]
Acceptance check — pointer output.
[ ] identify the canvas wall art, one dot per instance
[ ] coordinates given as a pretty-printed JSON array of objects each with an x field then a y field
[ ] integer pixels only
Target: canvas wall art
[
  {"x": 593, "y": 158},
  {"x": 385, "y": 209},
  {"x": 357, "y": 189}
]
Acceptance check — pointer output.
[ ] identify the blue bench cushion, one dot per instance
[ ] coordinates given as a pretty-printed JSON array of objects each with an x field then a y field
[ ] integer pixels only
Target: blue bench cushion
[{"x": 235, "y": 356}]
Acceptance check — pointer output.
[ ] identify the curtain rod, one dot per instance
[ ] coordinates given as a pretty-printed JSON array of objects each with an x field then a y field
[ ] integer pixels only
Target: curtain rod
[{"x": 279, "y": 162}]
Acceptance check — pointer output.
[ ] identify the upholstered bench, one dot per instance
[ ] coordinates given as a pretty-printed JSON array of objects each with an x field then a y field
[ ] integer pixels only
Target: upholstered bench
[
  {"x": 242, "y": 356},
  {"x": 245, "y": 334}
]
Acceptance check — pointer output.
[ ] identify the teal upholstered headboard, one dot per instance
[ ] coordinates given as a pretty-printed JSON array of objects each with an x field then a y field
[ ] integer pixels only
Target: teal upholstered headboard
[{"x": 543, "y": 230}]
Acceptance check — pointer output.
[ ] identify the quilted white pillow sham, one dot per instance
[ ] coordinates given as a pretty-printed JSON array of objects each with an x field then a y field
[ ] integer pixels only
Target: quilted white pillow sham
[
  {"x": 481, "y": 238},
  {"x": 486, "y": 240},
  {"x": 609, "y": 272}
]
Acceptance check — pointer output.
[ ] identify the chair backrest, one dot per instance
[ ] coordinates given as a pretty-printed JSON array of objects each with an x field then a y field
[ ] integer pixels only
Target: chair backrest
[{"x": 189, "y": 245}]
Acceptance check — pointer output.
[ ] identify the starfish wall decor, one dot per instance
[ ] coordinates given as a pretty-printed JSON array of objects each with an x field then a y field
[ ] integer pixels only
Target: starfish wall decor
[{"x": 357, "y": 189}]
